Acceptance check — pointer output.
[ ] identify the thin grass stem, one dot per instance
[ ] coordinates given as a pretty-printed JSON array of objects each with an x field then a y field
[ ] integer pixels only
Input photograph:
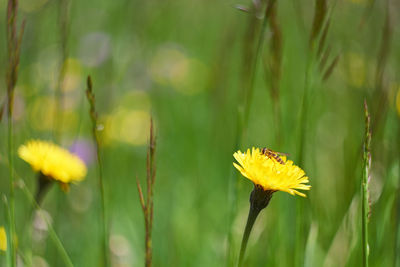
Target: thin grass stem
[
  {"x": 93, "y": 115},
  {"x": 12, "y": 193},
  {"x": 53, "y": 235},
  {"x": 147, "y": 203},
  {"x": 14, "y": 39},
  {"x": 364, "y": 186}
]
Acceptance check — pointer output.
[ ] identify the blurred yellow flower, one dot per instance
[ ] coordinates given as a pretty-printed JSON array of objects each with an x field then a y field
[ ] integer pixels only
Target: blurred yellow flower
[
  {"x": 3, "y": 239},
  {"x": 53, "y": 161},
  {"x": 270, "y": 174}
]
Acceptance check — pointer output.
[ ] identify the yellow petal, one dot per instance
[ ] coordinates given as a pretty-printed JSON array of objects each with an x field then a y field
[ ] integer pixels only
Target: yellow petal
[
  {"x": 271, "y": 174},
  {"x": 53, "y": 161}
]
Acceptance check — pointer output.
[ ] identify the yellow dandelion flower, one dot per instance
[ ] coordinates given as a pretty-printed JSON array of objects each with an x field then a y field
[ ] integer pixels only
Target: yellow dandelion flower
[
  {"x": 3, "y": 239},
  {"x": 271, "y": 175},
  {"x": 53, "y": 161}
]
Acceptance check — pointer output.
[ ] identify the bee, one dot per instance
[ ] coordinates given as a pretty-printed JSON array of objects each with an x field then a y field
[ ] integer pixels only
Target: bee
[{"x": 273, "y": 155}]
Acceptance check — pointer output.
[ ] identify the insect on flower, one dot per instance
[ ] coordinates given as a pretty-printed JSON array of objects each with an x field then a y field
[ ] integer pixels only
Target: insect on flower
[
  {"x": 266, "y": 171},
  {"x": 274, "y": 155}
]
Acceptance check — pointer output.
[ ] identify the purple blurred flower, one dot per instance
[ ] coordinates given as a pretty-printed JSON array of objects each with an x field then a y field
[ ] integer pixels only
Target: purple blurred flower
[{"x": 84, "y": 150}]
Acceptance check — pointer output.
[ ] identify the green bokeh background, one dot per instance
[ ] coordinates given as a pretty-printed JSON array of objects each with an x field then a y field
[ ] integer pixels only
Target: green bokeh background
[{"x": 181, "y": 62}]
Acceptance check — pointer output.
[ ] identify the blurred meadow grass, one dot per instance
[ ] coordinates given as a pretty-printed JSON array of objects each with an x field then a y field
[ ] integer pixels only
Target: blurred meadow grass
[{"x": 187, "y": 64}]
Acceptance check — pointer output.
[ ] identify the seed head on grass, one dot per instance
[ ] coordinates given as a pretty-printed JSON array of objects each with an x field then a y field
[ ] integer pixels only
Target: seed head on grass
[
  {"x": 14, "y": 40},
  {"x": 268, "y": 175},
  {"x": 147, "y": 204},
  {"x": 93, "y": 116},
  {"x": 365, "y": 184}
]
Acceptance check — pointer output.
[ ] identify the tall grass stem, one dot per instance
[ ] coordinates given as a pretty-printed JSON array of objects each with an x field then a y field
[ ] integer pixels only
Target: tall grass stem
[
  {"x": 93, "y": 116},
  {"x": 364, "y": 186},
  {"x": 14, "y": 39},
  {"x": 12, "y": 193},
  {"x": 148, "y": 202}
]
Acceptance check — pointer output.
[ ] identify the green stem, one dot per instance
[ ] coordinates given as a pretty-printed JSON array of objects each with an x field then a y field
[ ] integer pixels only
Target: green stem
[
  {"x": 103, "y": 205},
  {"x": 11, "y": 182},
  {"x": 365, "y": 223},
  {"x": 364, "y": 185},
  {"x": 253, "y": 213},
  {"x": 52, "y": 233},
  {"x": 93, "y": 115}
]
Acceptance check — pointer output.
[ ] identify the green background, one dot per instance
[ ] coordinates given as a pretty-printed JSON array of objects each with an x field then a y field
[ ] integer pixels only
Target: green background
[{"x": 183, "y": 63}]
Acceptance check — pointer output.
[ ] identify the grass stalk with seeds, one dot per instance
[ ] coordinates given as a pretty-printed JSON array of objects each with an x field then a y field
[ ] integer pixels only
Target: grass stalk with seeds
[
  {"x": 365, "y": 184},
  {"x": 93, "y": 116},
  {"x": 147, "y": 203}
]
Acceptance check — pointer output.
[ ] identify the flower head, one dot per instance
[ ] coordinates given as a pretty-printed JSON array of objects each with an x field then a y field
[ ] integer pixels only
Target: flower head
[
  {"x": 3, "y": 239},
  {"x": 269, "y": 173},
  {"x": 53, "y": 161}
]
